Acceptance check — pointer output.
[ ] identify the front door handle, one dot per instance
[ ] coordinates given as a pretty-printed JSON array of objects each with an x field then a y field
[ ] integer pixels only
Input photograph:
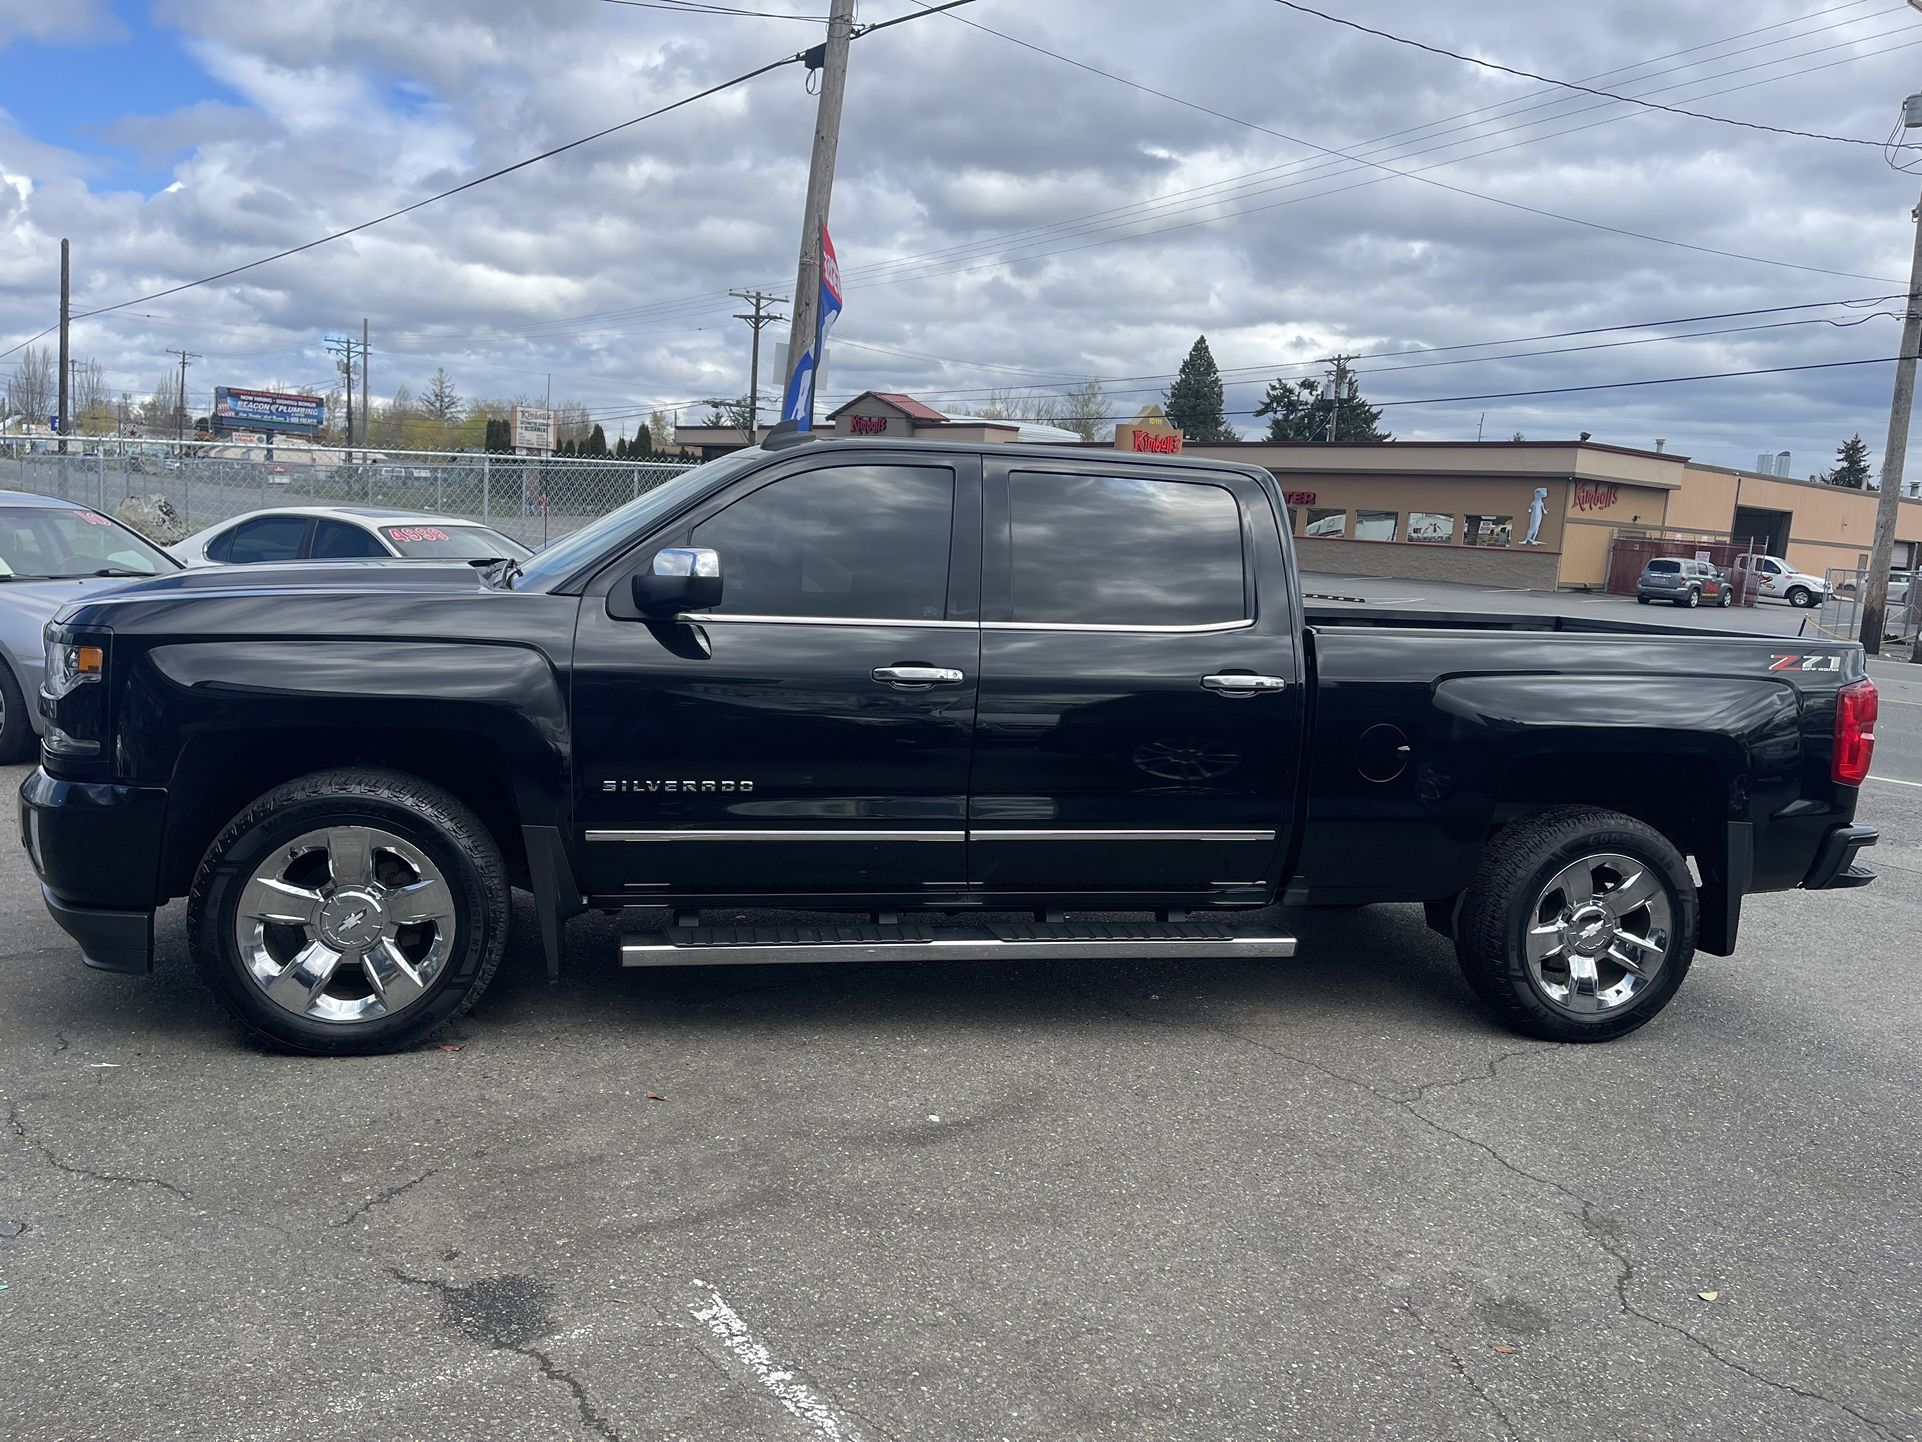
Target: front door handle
[
  {"x": 1240, "y": 683},
  {"x": 918, "y": 676}
]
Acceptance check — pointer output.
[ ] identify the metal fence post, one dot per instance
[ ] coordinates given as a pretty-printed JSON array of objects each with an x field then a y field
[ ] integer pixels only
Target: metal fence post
[
  {"x": 100, "y": 475},
  {"x": 487, "y": 490}
]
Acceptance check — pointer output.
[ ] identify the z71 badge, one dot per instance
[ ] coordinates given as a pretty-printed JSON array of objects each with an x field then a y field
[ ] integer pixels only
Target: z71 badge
[{"x": 677, "y": 786}]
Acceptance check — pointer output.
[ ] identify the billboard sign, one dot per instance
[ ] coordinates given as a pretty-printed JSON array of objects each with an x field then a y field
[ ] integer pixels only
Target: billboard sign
[
  {"x": 235, "y": 409},
  {"x": 533, "y": 428}
]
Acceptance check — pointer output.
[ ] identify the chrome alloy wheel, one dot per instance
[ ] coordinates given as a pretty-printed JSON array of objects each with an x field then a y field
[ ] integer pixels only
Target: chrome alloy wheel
[
  {"x": 1598, "y": 934},
  {"x": 347, "y": 924}
]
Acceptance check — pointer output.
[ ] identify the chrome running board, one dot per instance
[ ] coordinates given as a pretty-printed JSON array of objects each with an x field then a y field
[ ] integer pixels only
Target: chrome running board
[{"x": 910, "y": 941}]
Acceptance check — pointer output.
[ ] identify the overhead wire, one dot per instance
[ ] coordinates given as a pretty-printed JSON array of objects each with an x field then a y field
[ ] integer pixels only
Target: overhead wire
[
  {"x": 1487, "y": 64},
  {"x": 703, "y": 302}
]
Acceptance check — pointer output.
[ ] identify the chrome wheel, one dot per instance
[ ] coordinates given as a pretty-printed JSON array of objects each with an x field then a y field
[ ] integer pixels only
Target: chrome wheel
[
  {"x": 345, "y": 924},
  {"x": 1598, "y": 934}
]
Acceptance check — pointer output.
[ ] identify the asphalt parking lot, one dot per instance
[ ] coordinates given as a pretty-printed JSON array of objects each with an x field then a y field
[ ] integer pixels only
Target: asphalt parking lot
[{"x": 1324, "y": 1198}]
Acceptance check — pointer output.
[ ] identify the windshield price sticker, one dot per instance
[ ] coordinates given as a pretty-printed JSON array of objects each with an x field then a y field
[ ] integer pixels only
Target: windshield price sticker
[
  {"x": 91, "y": 519},
  {"x": 417, "y": 533}
]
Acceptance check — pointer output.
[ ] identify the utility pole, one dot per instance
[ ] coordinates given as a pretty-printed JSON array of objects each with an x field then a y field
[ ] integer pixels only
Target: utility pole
[
  {"x": 1875, "y": 590},
  {"x": 827, "y": 140},
  {"x": 1334, "y": 395},
  {"x": 65, "y": 311},
  {"x": 180, "y": 418},
  {"x": 759, "y": 318},
  {"x": 343, "y": 346},
  {"x": 366, "y": 411}
]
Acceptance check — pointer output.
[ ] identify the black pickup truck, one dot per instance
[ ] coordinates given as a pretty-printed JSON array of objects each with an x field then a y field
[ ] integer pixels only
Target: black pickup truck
[{"x": 944, "y": 695}]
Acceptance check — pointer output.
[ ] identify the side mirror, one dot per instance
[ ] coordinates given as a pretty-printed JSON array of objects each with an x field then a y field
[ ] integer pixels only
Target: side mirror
[{"x": 681, "y": 578}]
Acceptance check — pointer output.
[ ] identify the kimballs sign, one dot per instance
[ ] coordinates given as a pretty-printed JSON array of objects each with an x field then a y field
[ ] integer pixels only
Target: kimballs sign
[{"x": 238, "y": 409}]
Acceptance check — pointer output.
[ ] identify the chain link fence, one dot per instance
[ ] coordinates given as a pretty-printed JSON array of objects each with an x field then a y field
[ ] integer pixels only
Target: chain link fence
[
  {"x": 1842, "y": 610},
  {"x": 171, "y": 489}
]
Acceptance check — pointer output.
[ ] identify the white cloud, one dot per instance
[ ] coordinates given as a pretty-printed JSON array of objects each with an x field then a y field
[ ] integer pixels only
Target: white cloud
[
  {"x": 62, "y": 22},
  {"x": 997, "y": 206}
]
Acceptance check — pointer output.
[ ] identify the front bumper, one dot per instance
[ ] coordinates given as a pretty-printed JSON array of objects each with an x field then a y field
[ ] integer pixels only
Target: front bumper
[
  {"x": 96, "y": 848},
  {"x": 1835, "y": 863}
]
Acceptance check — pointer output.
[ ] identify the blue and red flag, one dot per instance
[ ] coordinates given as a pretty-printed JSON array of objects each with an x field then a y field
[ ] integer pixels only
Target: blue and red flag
[{"x": 798, "y": 406}]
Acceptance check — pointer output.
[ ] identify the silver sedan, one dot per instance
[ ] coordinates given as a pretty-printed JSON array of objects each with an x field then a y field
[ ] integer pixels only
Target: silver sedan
[{"x": 53, "y": 552}]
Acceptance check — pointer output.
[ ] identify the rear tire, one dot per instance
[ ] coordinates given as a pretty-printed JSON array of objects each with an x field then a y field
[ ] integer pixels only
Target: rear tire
[
  {"x": 348, "y": 912},
  {"x": 1641, "y": 600},
  {"x": 1693, "y": 599},
  {"x": 16, "y": 722},
  {"x": 1539, "y": 936}
]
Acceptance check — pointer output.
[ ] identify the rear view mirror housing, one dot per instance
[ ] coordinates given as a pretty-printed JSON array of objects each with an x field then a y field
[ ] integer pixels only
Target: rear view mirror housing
[{"x": 680, "y": 578}]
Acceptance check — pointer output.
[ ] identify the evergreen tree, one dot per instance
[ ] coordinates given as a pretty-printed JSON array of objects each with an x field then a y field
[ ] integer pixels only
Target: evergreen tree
[
  {"x": 1298, "y": 411},
  {"x": 643, "y": 445},
  {"x": 1194, "y": 402},
  {"x": 620, "y": 448},
  {"x": 1851, "y": 465},
  {"x": 596, "y": 442}
]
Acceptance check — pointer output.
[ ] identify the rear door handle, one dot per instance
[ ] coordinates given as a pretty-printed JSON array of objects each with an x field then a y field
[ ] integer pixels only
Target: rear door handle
[
  {"x": 1239, "y": 683},
  {"x": 918, "y": 676}
]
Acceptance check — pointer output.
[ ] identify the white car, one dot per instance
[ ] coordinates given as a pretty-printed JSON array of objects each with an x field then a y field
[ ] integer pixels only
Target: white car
[
  {"x": 328, "y": 533},
  {"x": 1777, "y": 580}
]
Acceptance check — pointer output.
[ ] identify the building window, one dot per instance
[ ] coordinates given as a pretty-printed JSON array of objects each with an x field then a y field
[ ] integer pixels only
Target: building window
[
  {"x": 1294, "y": 520},
  {"x": 1431, "y": 526},
  {"x": 1376, "y": 525},
  {"x": 1326, "y": 525},
  {"x": 1488, "y": 531}
]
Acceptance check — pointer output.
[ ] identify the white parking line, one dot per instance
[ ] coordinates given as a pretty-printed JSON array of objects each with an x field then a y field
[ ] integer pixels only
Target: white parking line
[
  {"x": 788, "y": 1389},
  {"x": 1892, "y": 781}
]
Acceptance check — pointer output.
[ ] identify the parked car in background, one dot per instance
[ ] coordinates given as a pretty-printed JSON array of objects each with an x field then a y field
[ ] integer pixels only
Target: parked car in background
[
  {"x": 1684, "y": 582},
  {"x": 53, "y": 553},
  {"x": 334, "y": 533},
  {"x": 1776, "y": 580}
]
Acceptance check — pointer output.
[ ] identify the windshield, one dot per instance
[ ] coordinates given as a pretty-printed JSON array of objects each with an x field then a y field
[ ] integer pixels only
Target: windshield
[
  {"x": 554, "y": 563},
  {"x": 454, "y": 543},
  {"x": 48, "y": 542}
]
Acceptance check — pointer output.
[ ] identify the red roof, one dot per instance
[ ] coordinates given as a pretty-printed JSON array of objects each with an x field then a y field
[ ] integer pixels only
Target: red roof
[{"x": 907, "y": 405}]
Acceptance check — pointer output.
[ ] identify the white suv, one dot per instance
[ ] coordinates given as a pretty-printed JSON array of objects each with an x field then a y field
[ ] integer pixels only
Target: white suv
[{"x": 1777, "y": 580}]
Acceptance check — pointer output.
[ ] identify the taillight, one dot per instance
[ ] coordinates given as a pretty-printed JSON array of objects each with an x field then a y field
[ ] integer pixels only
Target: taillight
[{"x": 1855, "y": 710}]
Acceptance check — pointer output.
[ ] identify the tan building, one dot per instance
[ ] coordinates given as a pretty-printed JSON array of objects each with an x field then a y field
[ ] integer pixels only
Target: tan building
[{"x": 1468, "y": 511}]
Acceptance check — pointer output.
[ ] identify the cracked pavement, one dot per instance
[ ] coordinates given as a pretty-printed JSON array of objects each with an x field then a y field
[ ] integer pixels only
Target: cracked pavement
[{"x": 1325, "y": 1198}]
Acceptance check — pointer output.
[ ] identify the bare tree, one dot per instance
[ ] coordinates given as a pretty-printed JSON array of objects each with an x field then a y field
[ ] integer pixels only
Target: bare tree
[
  {"x": 1084, "y": 410},
  {"x": 158, "y": 409},
  {"x": 572, "y": 423},
  {"x": 92, "y": 402},
  {"x": 661, "y": 430},
  {"x": 32, "y": 389}
]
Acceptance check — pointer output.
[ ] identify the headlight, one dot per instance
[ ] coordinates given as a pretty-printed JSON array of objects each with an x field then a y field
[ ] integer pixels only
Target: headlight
[
  {"x": 71, "y": 665},
  {"x": 72, "y": 699}
]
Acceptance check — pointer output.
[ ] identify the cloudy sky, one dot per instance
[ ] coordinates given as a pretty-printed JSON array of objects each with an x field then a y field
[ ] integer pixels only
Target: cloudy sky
[{"x": 1005, "y": 217}]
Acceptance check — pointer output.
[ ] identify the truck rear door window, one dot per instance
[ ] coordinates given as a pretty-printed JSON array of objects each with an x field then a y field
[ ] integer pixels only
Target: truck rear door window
[{"x": 1124, "y": 551}]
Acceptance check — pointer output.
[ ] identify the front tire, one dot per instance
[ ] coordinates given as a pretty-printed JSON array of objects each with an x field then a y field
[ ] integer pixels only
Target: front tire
[
  {"x": 1579, "y": 926},
  {"x": 348, "y": 912},
  {"x": 16, "y": 722},
  {"x": 1725, "y": 598}
]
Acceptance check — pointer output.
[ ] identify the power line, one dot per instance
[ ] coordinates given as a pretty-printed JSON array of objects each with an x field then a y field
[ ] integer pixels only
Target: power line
[
  {"x": 705, "y": 302},
  {"x": 1574, "y": 85},
  {"x": 679, "y": 7},
  {"x": 1392, "y": 171}
]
